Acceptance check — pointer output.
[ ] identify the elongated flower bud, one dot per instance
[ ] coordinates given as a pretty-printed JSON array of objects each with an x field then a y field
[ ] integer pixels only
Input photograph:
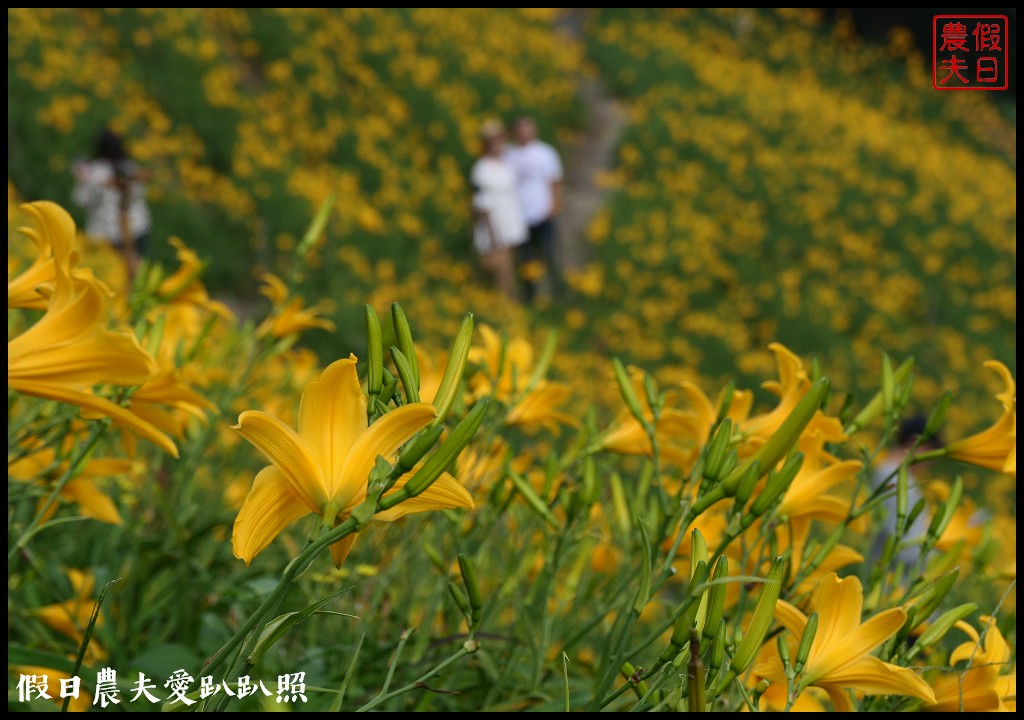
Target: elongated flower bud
[
  {"x": 628, "y": 395},
  {"x": 412, "y": 393},
  {"x": 946, "y": 511},
  {"x": 716, "y": 596},
  {"x": 374, "y": 353},
  {"x": 888, "y": 384},
  {"x": 806, "y": 641},
  {"x": 760, "y": 622},
  {"x": 533, "y": 500},
  {"x": 934, "y": 594},
  {"x": 452, "y": 378},
  {"x": 877, "y": 403},
  {"x": 778, "y": 484},
  {"x": 717, "y": 649},
  {"x": 435, "y": 465},
  {"x": 416, "y": 449},
  {"x": 938, "y": 629},
  {"x": 717, "y": 450},
  {"x": 472, "y": 588},
  {"x": 460, "y": 599},
  {"x": 938, "y": 415},
  {"x": 403, "y": 334},
  {"x": 726, "y": 402},
  {"x": 769, "y": 454}
]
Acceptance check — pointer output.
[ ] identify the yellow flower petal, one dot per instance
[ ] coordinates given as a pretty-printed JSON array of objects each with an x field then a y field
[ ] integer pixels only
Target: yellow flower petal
[
  {"x": 332, "y": 416},
  {"x": 92, "y": 501},
  {"x": 791, "y": 618},
  {"x": 121, "y": 416},
  {"x": 289, "y": 452},
  {"x": 445, "y": 493},
  {"x": 874, "y": 677},
  {"x": 382, "y": 438},
  {"x": 269, "y": 508},
  {"x": 341, "y": 549},
  {"x": 857, "y": 642}
]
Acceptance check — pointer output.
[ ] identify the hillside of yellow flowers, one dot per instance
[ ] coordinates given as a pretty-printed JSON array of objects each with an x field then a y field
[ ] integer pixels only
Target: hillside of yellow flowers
[{"x": 305, "y": 457}]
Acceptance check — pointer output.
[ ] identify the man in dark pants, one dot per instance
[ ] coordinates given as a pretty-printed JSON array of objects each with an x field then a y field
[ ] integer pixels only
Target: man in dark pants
[{"x": 539, "y": 171}]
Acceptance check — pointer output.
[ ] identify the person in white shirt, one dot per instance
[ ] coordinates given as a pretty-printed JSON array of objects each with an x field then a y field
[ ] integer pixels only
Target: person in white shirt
[
  {"x": 111, "y": 188},
  {"x": 499, "y": 226},
  {"x": 539, "y": 172}
]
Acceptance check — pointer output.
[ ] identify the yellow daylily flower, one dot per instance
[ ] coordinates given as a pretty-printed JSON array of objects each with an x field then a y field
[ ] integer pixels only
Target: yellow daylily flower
[
  {"x": 82, "y": 489},
  {"x": 808, "y": 497},
  {"x": 289, "y": 316},
  {"x": 53, "y": 240},
  {"x": 790, "y": 387},
  {"x": 981, "y": 687},
  {"x": 69, "y": 349},
  {"x": 995, "y": 447},
  {"x": 839, "y": 659},
  {"x": 539, "y": 407},
  {"x": 323, "y": 467},
  {"x": 184, "y": 287},
  {"x": 71, "y": 617},
  {"x": 167, "y": 402}
]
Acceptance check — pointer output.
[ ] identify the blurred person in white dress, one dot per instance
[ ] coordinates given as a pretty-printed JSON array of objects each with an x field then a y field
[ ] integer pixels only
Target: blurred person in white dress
[
  {"x": 499, "y": 226},
  {"x": 111, "y": 188},
  {"x": 539, "y": 176}
]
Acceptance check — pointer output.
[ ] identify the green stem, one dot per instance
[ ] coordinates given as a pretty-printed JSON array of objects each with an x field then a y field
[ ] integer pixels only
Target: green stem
[{"x": 418, "y": 682}]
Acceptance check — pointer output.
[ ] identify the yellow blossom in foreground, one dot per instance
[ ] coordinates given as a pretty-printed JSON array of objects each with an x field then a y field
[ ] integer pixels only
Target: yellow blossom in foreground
[
  {"x": 184, "y": 286},
  {"x": 982, "y": 686},
  {"x": 324, "y": 467},
  {"x": 53, "y": 240},
  {"x": 69, "y": 350},
  {"x": 995, "y": 447},
  {"x": 839, "y": 661},
  {"x": 289, "y": 316},
  {"x": 71, "y": 617}
]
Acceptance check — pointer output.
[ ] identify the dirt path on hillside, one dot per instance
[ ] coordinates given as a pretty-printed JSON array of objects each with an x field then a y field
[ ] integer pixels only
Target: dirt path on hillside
[{"x": 590, "y": 154}]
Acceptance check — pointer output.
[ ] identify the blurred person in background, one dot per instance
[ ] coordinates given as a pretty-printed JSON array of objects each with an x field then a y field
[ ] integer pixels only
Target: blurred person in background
[
  {"x": 111, "y": 188},
  {"x": 499, "y": 226},
  {"x": 539, "y": 175}
]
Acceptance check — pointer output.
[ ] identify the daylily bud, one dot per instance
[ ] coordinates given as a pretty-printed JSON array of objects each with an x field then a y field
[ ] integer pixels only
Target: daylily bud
[
  {"x": 946, "y": 511},
  {"x": 935, "y": 593},
  {"x": 316, "y": 227},
  {"x": 452, "y": 378},
  {"x": 547, "y": 354},
  {"x": 681, "y": 630},
  {"x": 416, "y": 449},
  {"x": 717, "y": 649},
  {"x": 806, "y": 641},
  {"x": 785, "y": 437},
  {"x": 716, "y": 596},
  {"x": 938, "y": 415},
  {"x": 747, "y": 484},
  {"x": 717, "y": 450},
  {"x": 441, "y": 459},
  {"x": 699, "y": 554},
  {"x": 412, "y": 393},
  {"x": 760, "y": 622},
  {"x": 387, "y": 392},
  {"x": 726, "y": 403},
  {"x": 888, "y": 384},
  {"x": 938, "y": 629},
  {"x": 403, "y": 333},
  {"x": 460, "y": 599},
  {"x": 533, "y": 500},
  {"x": 783, "y": 649},
  {"x": 374, "y": 353},
  {"x": 778, "y": 484},
  {"x": 915, "y": 511},
  {"x": 626, "y": 388},
  {"x": 472, "y": 588},
  {"x": 877, "y": 403}
]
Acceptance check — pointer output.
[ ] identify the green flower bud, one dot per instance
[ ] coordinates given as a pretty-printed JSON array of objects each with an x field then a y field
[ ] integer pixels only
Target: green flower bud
[
  {"x": 374, "y": 353},
  {"x": 403, "y": 334},
  {"x": 806, "y": 641},
  {"x": 452, "y": 378},
  {"x": 628, "y": 394},
  {"x": 405, "y": 372}
]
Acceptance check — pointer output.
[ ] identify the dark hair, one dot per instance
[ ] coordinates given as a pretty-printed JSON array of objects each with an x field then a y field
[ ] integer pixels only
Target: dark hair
[
  {"x": 913, "y": 427},
  {"x": 110, "y": 146}
]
